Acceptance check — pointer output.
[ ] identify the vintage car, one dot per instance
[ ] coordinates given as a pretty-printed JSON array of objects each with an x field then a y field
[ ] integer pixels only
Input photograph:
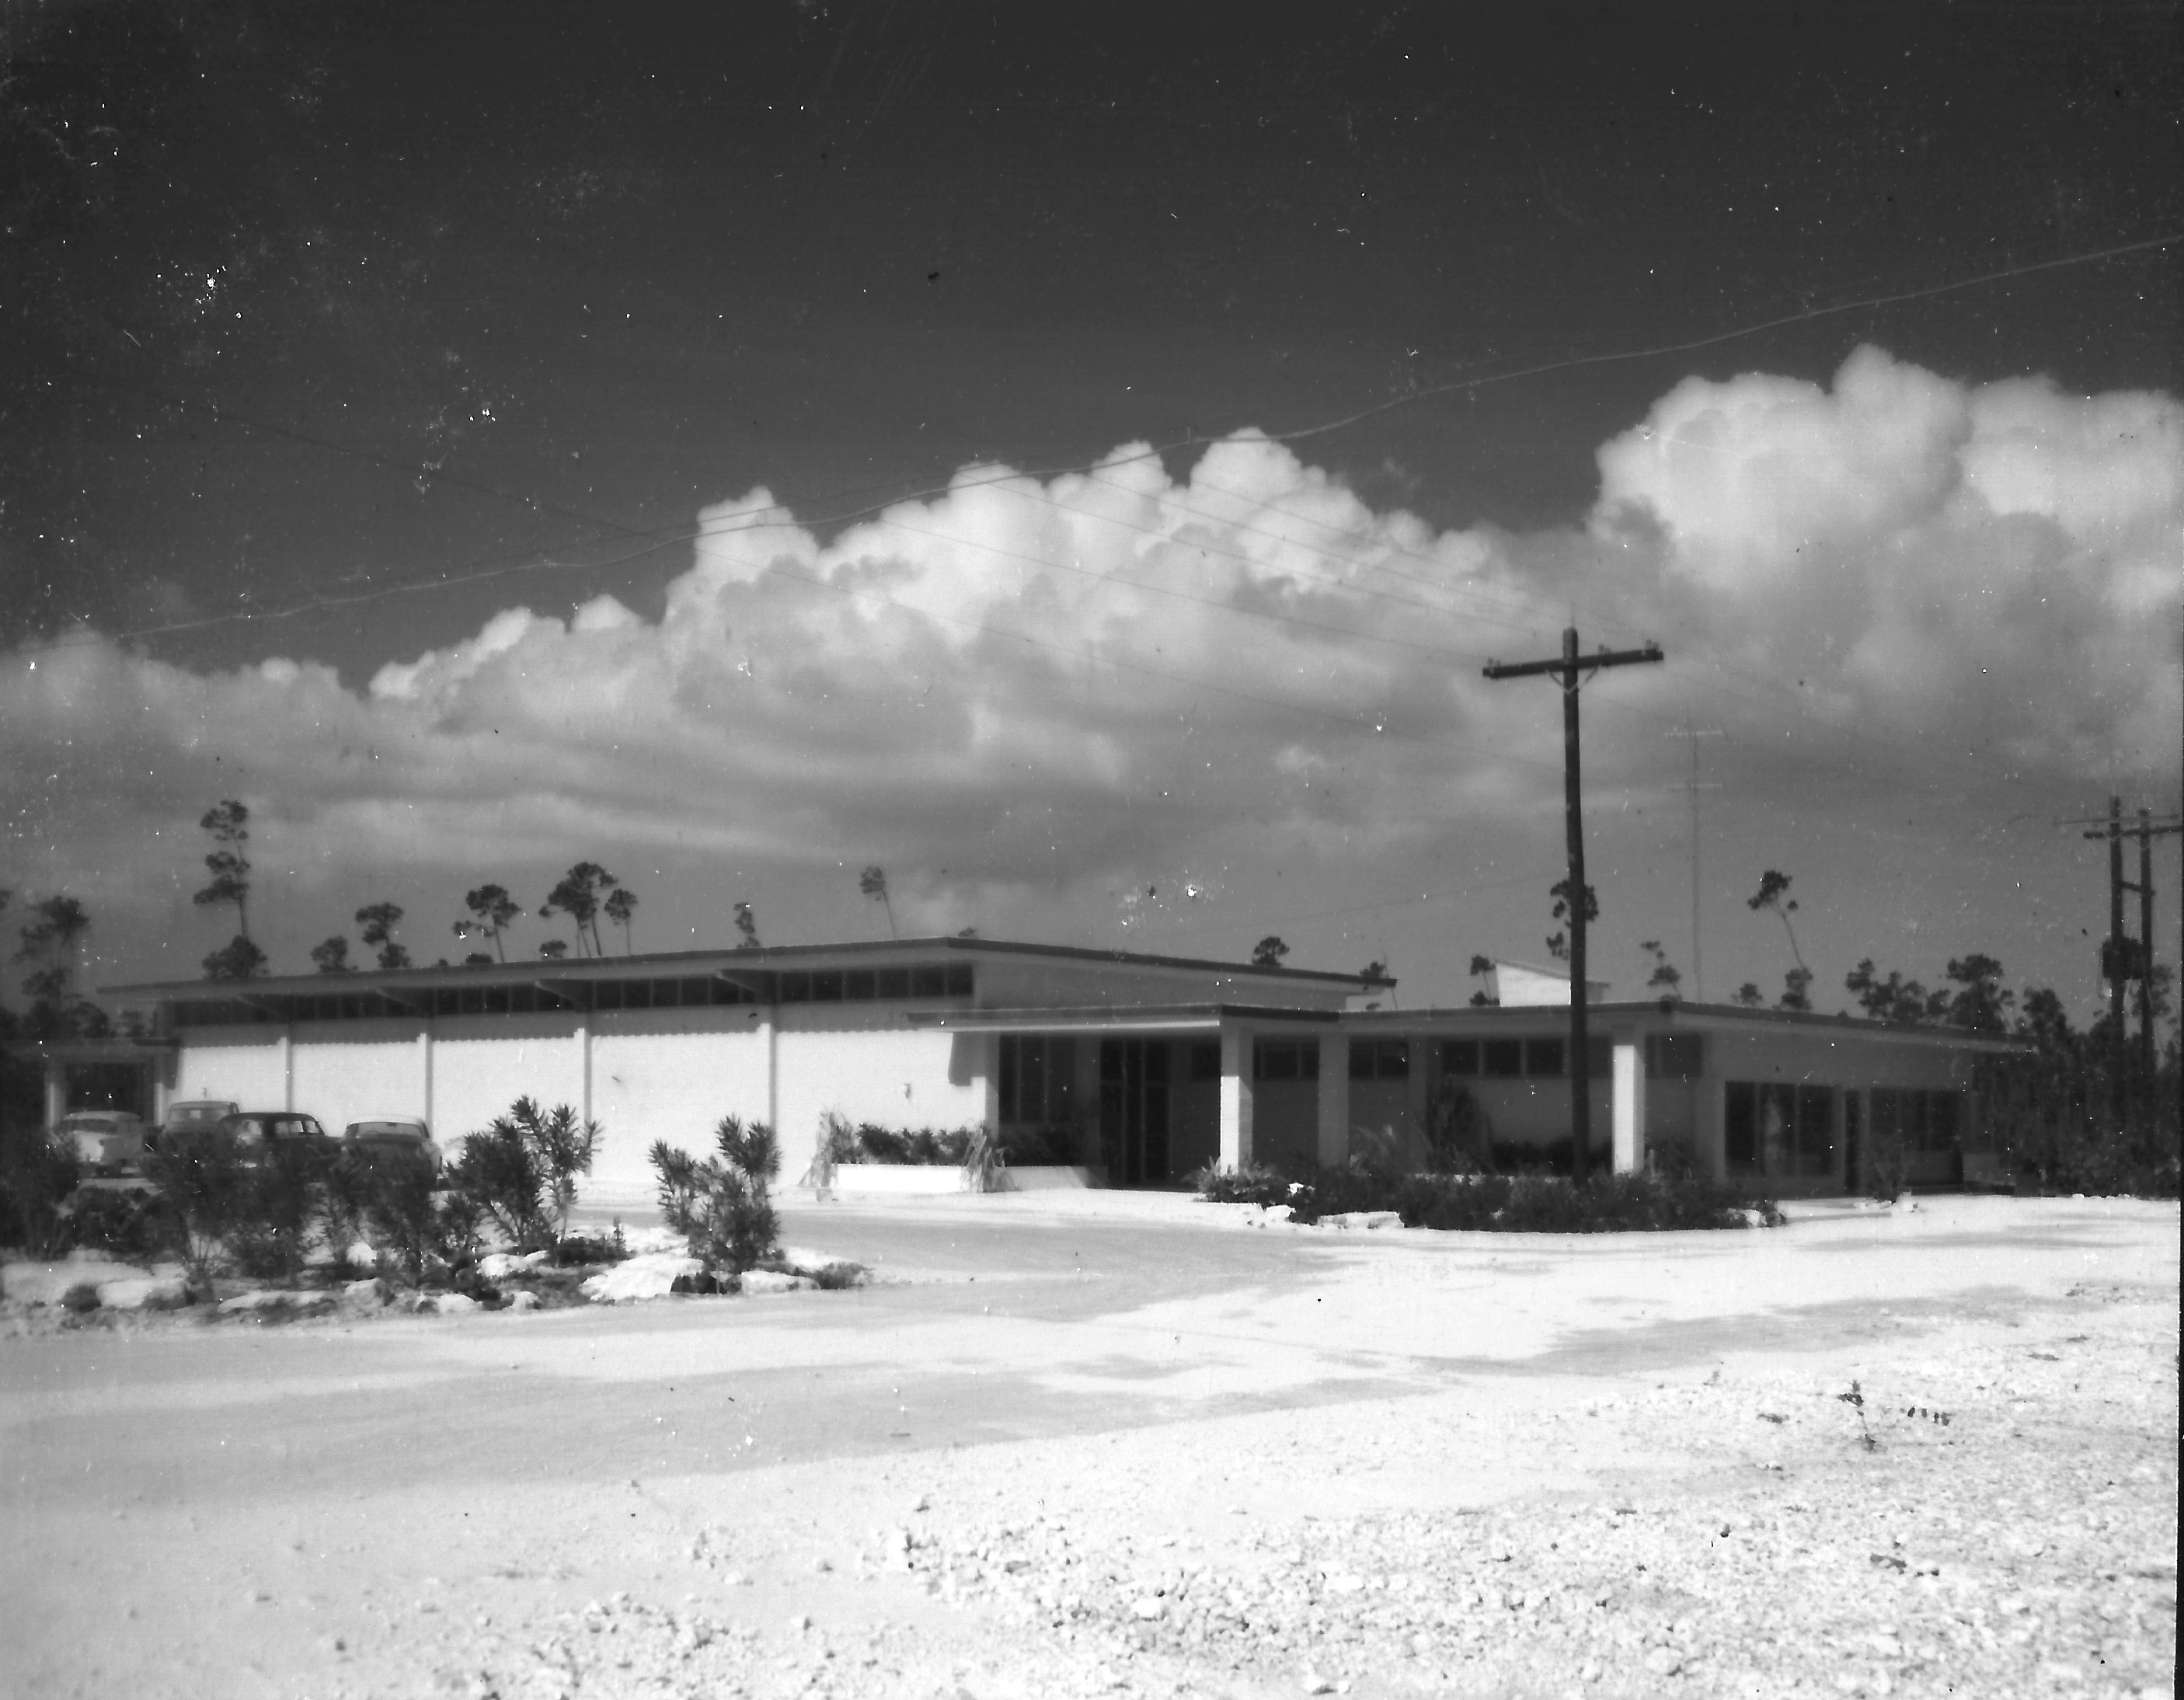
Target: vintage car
[
  {"x": 395, "y": 1136},
  {"x": 194, "y": 1112},
  {"x": 258, "y": 1132},
  {"x": 104, "y": 1141}
]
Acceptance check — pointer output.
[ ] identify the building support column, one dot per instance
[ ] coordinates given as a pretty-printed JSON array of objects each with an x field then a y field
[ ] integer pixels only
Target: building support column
[
  {"x": 1334, "y": 1148},
  {"x": 425, "y": 1068},
  {"x": 584, "y": 1062},
  {"x": 55, "y": 1075},
  {"x": 1235, "y": 1097},
  {"x": 287, "y": 1070},
  {"x": 770, "y": 1027},
  {"x": 1627, "y": 1071},
  {"x": 163, "y": 1071},
  {"x": 989, "y": 1059}
]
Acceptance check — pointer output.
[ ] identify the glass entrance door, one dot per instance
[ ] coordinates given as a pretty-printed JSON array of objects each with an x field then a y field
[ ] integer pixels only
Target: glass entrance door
[{"x": 1134, "y": 1109}]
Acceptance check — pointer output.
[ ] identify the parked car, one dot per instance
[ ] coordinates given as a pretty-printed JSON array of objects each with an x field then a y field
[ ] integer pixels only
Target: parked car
[
  {"x": 104, "y": 1141},
  {"x": 195, "y": 1112},
  {"x": 392, "y": 1136},
  {"x": 256, "y": 1132}
]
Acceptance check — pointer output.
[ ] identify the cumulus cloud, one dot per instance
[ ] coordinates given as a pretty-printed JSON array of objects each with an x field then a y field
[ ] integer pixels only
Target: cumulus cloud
[
  {"x": 1989, "y": 565},
  {"x": 1108, "y": 678}
]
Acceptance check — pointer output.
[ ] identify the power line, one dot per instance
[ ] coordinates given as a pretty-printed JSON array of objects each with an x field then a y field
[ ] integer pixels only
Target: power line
[{"x": 657, "y": 539}]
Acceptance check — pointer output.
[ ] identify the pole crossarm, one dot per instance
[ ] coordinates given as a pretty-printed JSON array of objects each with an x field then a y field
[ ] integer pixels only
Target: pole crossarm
[
  {"x": 2153, "y": 832},
  {"x": 1561, "y": 668}
]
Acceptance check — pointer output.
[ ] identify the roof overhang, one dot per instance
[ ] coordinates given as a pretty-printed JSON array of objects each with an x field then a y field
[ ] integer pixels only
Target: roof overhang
[
  {"x": 1118, "y": 1018},
  {"x": 1670, "y": 1015},
  {"x": 94, "y": 1050},
  {"x": 728, "y": 964}
]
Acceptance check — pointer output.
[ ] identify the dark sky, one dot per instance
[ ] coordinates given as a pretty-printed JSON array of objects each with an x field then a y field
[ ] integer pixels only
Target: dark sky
[
  {"x": 305, "y": 299},
  {"x": 337, "y": 334}
]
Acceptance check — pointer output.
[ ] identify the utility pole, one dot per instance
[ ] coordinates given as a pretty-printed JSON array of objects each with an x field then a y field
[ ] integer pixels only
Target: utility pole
[
  {"x": 2117, "y": 962},
  {"x": 1570, "y": 671},
  {"x": 2145, "y": 940}
]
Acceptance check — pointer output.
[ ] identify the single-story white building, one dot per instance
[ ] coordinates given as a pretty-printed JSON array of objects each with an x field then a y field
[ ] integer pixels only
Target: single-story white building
[{"x": 1158, "y": 1064}]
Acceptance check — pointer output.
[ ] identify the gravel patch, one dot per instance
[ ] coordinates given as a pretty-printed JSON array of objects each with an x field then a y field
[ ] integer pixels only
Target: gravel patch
[{"x": 2008, "y": 1530}]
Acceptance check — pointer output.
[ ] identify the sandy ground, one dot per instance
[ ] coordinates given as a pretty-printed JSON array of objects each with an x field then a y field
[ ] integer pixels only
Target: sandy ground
[{"x": 1104, "y": 1444}]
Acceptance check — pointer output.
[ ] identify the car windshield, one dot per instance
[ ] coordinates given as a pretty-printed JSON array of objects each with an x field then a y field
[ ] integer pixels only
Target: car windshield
[
  {"x": 91, "y": 1124},
  {"x": 181, "y": 1113},
  {"x": 298, "y": 1126},
  {"x": 385, "y": 1130}
]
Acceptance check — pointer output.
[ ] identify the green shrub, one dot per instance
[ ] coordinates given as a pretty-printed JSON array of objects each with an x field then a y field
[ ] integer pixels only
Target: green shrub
[
  {"x": 1509, "y": 1204},
  {"x": 722, "y": 1204},
  {"x": 461, "y": 1224},
  {"x": 342, "y": 1201},
  {"x": 1673, "y": 1160},
  {"x": 2105, "y": 1164},
  {"x": 934, "y": 1147},
  {"x": 35, "y": 1178},
  {"x": 203, "y": 1182},
  {"x": 397, "y": 1194},
  {"x": 1254, "y": 1184},
  {"x": 983, "y": 1160},
  {"x": 280, "y": 1196},
  {"x": 128, "y": 1225},
  {"x": 521, "y": 1171},
  {"x": 1536, "y": 1204},
  {"x": 1459, "y": 1133},
  {"x": 1351, "y": 1187}
]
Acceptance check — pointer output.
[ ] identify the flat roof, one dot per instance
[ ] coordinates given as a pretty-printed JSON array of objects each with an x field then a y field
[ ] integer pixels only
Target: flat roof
[
  {"x": 532, "y": 969},
  {"x": 1115, "y": 1017},
  {"x": 1676, "y": 1011}
]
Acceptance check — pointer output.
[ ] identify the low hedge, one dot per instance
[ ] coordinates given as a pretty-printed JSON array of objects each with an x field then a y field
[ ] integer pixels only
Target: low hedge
[
  {"x": 1020, "y": 1147},
  {"x": 1493, "y": 1203}
]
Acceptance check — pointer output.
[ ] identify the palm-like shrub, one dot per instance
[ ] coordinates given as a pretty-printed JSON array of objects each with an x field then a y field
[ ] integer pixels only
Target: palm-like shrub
[
  {"x": 522, "y": 1170},
  {"x": 202, "y": 1179},
  {"x": 282, "y": 1195},
  {"x": 721, "y": 1204},
  {"x": 398, "y": 1194}
]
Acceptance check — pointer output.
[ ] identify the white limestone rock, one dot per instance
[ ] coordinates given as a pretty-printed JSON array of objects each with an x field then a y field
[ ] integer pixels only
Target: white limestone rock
[
  {"x": 773, "y": 1281},
  {"x": 144, "y": 1293},
  {"x": 652, "y": 1276}
]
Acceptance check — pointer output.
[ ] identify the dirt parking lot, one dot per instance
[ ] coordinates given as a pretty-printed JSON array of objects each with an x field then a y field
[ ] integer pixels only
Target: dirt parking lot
[{"x": 1109, "y": 1443}]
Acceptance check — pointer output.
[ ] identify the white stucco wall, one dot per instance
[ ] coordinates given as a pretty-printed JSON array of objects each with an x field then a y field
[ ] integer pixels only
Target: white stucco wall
[
  {"x": 346, "y": 1071},
  {"x": 868, "y": 1065},
  {"x": 240, "y": 1063},
  {"x": 670, "y": 1074},
  {"x": 482, "y": 1064}
]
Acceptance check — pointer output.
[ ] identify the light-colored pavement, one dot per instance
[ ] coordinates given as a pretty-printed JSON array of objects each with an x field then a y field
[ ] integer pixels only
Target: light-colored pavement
[{"x": 322, "y": 1509}]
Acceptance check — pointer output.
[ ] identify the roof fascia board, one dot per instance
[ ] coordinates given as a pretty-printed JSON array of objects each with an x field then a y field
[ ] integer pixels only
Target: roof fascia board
[
  {"x": 1702, "y": 1017},
  {"x": 723, "y": 961},
  {"x": 1118, "y": 1018}
]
